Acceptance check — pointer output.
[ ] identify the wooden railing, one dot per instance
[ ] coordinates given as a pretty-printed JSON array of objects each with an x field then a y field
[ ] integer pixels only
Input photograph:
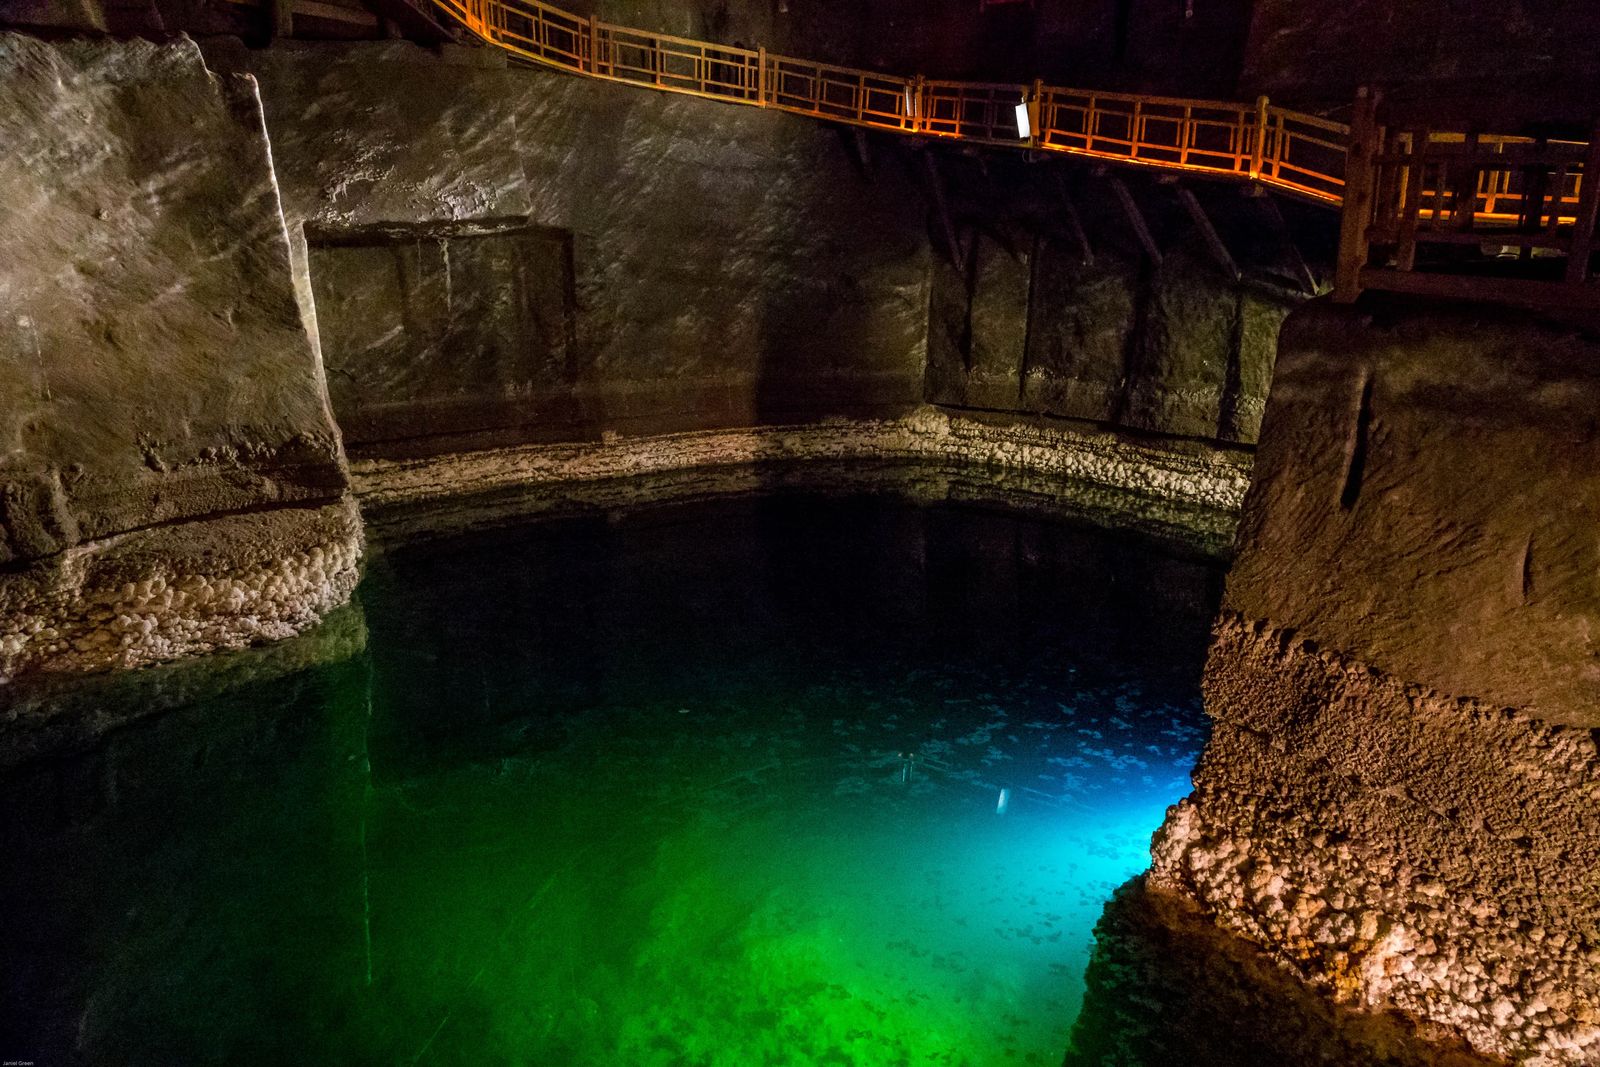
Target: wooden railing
[
  {"x": 1400, "y": 189},
  {"x": 1507, "y": 219},
  {"x": 1299, "y": 154}
]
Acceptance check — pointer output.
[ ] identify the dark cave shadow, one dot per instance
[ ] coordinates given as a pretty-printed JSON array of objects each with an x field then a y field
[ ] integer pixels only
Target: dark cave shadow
[{"x": 1165, "y": 986}]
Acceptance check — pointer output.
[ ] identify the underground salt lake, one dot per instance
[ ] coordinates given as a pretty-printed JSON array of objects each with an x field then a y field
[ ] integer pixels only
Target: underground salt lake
[{"x": 782, "y": 780}]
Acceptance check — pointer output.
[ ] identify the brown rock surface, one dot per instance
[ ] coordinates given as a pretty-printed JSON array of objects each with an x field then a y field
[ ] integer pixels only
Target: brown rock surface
[
  {"x": 1426, "y": 499},
  {"x": 155, "y": 373},
  {"x": 724, "y": 266},
  {"x": 1401, "y": 796}
]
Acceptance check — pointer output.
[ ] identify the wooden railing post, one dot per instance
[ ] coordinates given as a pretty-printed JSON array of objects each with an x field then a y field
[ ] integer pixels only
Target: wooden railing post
[
  {"x": 1588, "y": 214},
  {"x": 1035, "y": 112},
  {"x": 594, "y": 44},
  {"x": 919, "y": 105},
  {"x": 1359, "y": 166},
  {"x": 1258, "y": 151},
  {"x": 1405, "y": 256},
  {"x": 761, "y": 76}
]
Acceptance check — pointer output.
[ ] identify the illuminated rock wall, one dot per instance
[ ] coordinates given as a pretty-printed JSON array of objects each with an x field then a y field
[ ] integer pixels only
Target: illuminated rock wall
[
  {"x": 172, "y": 480},
  {"x": 502, "y": 256},
  {"x": 1177, "y": 348},
  {"x": 514, "y": 271},
  {"x": 1401, "y": 797}
]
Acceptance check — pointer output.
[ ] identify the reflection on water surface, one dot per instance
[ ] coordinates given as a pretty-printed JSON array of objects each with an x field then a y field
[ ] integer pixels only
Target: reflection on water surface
[{"x": 776, "y": 781}]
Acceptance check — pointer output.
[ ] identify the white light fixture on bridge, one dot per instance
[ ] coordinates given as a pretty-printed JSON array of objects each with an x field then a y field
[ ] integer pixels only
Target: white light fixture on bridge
[{"x": 1024, "y": 126}]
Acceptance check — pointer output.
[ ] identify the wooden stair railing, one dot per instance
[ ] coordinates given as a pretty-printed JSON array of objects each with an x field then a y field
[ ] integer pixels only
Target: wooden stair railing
[{"x": 1399, "y": 190}]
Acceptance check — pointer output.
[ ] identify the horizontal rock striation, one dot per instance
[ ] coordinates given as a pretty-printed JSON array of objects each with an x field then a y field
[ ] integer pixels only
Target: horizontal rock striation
[
  {"x": 1190, "y": 496},
  {"x": 1401, "y": 796}
]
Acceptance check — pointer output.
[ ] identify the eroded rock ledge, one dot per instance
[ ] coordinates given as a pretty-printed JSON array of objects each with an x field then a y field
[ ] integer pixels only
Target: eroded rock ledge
[
  {"x": 171, "y": 591},
  {"x": 1400, "y": 848},
  {"x": 1192, "y": 495},
  {"x": 1401, "y": 796},
  {"x": 1168, "y": 986}
]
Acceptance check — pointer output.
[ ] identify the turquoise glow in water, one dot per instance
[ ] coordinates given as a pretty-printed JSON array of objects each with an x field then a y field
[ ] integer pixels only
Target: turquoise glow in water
[{"x": 708, "y": 785}]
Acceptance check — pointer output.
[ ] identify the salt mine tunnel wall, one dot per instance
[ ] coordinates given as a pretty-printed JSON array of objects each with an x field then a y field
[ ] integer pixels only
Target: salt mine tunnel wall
[
  {"x": 504, "y": 276},
  {"x": 605, "y": 281},
  {"x": 1401, "y": 796},
  {"x": 173, "y": 481}
]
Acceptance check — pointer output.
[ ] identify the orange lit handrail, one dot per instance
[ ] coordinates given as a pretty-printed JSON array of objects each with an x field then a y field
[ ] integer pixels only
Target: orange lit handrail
[
  {"x": 1291, "y": 151},
  {"x": 1206, "y": 136}
]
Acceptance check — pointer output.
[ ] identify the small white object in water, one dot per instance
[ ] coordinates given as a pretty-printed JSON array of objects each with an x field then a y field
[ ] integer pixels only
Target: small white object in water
[
  {"x": 1003, "y": 803},
  {"x": 683, "y": 711}
]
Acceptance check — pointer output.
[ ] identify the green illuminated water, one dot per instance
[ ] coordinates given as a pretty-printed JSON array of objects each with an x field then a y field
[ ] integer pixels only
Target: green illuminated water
[{"x": 708, "y": 785}]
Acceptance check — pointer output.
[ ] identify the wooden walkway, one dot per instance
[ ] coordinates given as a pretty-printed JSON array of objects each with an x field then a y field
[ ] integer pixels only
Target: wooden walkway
[
  {"x": 1299, "y": 154},
  {"x": 1491, "y": 198}
]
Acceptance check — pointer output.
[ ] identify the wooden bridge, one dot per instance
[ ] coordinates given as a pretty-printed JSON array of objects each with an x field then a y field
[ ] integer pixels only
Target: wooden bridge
[{"x": 1500, "y": 218}]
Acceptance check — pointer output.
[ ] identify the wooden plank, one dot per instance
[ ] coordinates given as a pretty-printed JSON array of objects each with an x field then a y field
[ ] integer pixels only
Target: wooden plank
[
  {"x": 1504, "y": 238},
  {"x": 858, "y": 137},
  {"x": 1075, "y": 223},
  {"x": 1522, "y": 292},
  {"x": 1141, "y": 229},
  {"x": 1583, "y": 236},
  {"x": 280, "y": 19},
  {"x": 1213, "y": 239},
  {"x": 1358, "y": 190},
  {"x": 1258, "y": 151},
  {"x": 1280, "y": 228},
  {"x": 333, "y": 13}
]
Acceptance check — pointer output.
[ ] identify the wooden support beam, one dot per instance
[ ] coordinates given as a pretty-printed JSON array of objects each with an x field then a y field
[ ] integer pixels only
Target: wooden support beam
[
  {"x": 337, "y": 13},
  {"x": 1280, "y": 229},
  {"x": 1464, "y": 177},
  {"x": 1582, "y": 303},
  {"x": 942, "y": 208},
  {"x": 1359, "y": 186},
  {"x": 1075, "y": 223},
  {"x": 863, "y": 149},
  {"x": 280, "y": 19},
  {"x": 1583, "y": 236},
  {"x": 1141, "y": 229},
  {"x": 1213, "y": 239}
]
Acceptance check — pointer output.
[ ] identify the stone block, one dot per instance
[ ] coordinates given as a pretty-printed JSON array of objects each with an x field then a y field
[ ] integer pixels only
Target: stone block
[
  {"x": 156, "y": 376},
  {"x": 1078, "y": 336}
]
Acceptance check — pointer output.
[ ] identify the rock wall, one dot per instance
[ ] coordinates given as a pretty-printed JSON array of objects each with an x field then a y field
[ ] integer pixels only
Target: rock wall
[
  {"x": 1156, "y": 45},
  {"x": 1034, "y": 324},
  {"x": 503, "y": 256},
  {"x": 598, "y": 264},
  {"x": 172, "y": 481},
  {"x": 1399, "y": 799},
  {"x": 1502, "y": 65}
]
